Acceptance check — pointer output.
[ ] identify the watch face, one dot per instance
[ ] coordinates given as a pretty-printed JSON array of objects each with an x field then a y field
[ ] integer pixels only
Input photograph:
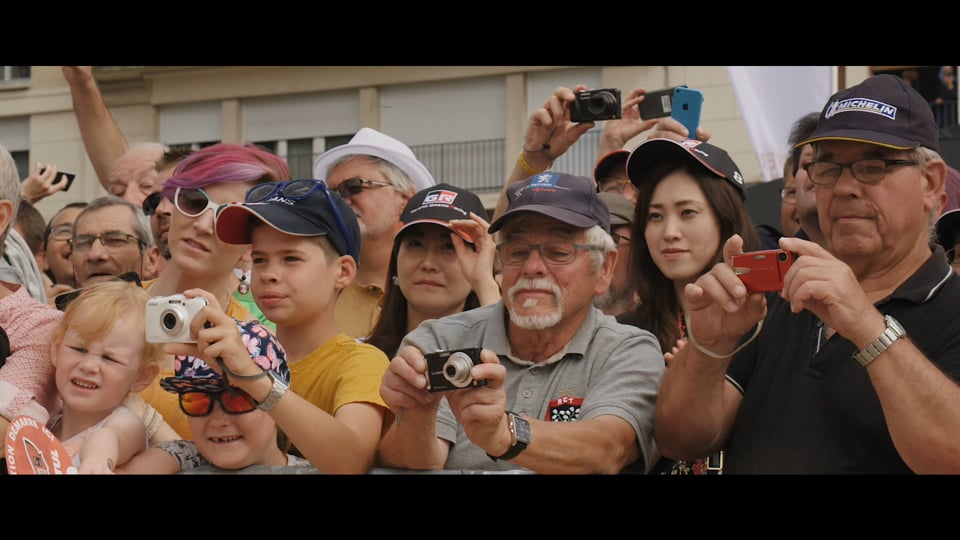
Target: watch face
[{"x": 523, "y": 429}]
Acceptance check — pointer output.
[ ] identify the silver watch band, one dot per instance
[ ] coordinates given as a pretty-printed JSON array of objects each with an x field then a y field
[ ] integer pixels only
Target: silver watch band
[
  {"x": 891, "y": 333},
  {"x": 277, "y": 391}
]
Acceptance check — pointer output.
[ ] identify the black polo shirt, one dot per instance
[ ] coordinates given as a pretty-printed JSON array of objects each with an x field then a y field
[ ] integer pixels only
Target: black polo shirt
[{"x": 809, "y": 408}]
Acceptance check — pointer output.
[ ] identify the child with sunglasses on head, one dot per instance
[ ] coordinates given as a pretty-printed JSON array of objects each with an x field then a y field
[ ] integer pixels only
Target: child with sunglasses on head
[
  {"x": 201, "y": 183},
  {"x": 101, "y": 355},
  {"x": 231, "y": 432},
  {"x": 306, "y": 243}
]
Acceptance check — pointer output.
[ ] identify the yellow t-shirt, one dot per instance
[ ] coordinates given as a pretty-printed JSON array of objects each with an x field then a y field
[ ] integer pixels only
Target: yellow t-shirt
[
  {"x": 358, "y": 308},
  {"x": 340, "y": 371}
]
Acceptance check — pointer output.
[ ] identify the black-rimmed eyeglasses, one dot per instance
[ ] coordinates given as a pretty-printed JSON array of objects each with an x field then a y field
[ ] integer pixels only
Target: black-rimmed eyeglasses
[
  {"x": 111, "y": 241},
  {"x": 555, "y": 253},
  {"x": 865, "y": 171},
  {"x": 63, "y": 299}
]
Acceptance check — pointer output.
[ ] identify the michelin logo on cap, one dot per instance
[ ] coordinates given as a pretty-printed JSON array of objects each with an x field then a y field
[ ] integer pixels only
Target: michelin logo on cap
[{"x": 861, "y": 105}]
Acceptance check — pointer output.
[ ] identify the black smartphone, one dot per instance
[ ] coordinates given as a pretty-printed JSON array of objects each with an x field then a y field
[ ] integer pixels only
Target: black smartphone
[
  {"x": 658, "y": 104},
  {"x": 70, "y": 177}
]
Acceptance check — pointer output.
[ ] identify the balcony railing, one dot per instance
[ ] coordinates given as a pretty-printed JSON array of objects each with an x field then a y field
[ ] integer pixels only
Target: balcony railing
[
  {"x": 945, "y": 113},
  {"x": 477, "y": 165}
]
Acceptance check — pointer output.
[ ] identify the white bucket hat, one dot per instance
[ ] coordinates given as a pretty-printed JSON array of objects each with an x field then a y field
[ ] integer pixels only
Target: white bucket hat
[{"x": 371, "y": 142}]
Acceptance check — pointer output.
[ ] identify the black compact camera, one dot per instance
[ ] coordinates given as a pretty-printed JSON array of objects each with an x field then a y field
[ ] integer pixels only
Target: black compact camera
[
  {"x": 594, "y": 105},
  {"x": 450, "y": 370}
]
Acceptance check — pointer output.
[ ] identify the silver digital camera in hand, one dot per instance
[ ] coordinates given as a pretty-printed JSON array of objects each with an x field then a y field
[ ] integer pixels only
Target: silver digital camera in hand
[
  {"x": 168, "y": 318},
  {"x": 450, "y": 370}
]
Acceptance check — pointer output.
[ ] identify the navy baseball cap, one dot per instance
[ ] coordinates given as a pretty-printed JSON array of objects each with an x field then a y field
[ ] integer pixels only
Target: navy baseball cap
[
  {"x": 440, "y": 204},
  {"x": 565, "y": 197},
  {"x": 297, "y": 207},
  {"x": 713, "y": 159},
  {"x": 882, "y": 110}
]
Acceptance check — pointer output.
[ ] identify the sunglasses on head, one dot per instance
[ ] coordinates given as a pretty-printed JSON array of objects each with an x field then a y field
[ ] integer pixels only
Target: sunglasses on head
[
  {"x": 192, "y": 202},
  {"x": 62, "y": 300},
  {"x": 355, "y": 186},
  {"x": 232, "y": 401},
  {"x": 294, "y": 190}
]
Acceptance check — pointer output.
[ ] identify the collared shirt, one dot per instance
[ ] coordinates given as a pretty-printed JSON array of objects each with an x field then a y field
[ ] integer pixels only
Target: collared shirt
[
  {"x": 608, "y": 369},
  {"x": 809, "y": 408}
]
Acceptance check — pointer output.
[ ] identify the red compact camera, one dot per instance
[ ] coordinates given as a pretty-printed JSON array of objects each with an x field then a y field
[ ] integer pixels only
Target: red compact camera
[{"x": 763, "y": 271}]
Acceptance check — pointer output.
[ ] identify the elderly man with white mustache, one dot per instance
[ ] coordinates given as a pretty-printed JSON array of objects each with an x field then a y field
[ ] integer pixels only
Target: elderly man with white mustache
[{"x": 551, "y": 384}]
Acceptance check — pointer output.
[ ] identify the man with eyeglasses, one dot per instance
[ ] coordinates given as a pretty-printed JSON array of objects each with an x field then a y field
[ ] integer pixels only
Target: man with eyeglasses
[
  {"x": 560, "y": 387},
  {"x": 56, "y": 246},
  {"x": 376, "y": 174},
  {"x": 621, "y": 296},
  {"x": 112, "y": 236},
  {"x": 856, "y": 363}
]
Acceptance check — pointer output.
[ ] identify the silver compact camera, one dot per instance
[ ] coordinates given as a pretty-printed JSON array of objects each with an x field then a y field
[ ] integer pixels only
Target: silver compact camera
[
  {"x": 449, "y": 370},
  {"x": 168, "y": 318}
]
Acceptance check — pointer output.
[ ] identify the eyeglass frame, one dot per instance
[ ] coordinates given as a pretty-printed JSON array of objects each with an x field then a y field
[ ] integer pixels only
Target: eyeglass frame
[
  {"x": 210, "y": 204},
  {"x": 63, "y": 227},
  {"x": 886, "y": 162},
  {"x": 279, "y": 188},
  {"x": 151, "y": 202},
  {"x": 539, "y": 249},
  {"x": 617, "y": 237},
  {"x": 62, "y": 300},
  {"x": 363, "y": 182},
  {"x": 218, "y": 398},
  {"x": 94, "y": 237}
]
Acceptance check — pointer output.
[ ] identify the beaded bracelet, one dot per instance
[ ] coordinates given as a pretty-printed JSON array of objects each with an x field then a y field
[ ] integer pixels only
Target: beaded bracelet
[{"x": 526, "y": 166}]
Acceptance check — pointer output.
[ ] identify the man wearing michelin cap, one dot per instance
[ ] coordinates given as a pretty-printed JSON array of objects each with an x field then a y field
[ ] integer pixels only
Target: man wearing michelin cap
[
  {"x": 565, "y": 389},
  {"x": 376, "y": 174},
  {"x": 855, "y": 368}
]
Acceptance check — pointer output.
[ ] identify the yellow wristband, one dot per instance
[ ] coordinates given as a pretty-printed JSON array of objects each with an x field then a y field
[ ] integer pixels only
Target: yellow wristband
[{"x": 526, "y": 166}]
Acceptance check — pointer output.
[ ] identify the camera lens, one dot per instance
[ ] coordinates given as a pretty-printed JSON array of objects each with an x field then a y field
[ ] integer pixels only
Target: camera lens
[
  {"x": 602, "y": 104},
  {"x": 457, "y": 369},
  {"x": 170, "y": 321},
  {"x": 782, "y": 256}
]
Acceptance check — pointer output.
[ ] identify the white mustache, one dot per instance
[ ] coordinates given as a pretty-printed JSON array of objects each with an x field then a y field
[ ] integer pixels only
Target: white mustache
[{"x": 523, "y": 284}]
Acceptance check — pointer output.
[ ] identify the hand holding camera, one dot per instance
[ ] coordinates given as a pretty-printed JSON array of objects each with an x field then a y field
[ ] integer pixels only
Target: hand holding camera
[
  {"x": 763, "y": 271},
  {"x": 450, "y": 370},
  {"x": 596, "y": 105},
  {"x": 168, "y": 318}
]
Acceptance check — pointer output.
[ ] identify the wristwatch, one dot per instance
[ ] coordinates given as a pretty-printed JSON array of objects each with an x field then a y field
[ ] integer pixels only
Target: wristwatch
[
  {"x": 891, "y": 333},
  {"x": 277, "y": 391},
  {"x": 519, "y": 436}
]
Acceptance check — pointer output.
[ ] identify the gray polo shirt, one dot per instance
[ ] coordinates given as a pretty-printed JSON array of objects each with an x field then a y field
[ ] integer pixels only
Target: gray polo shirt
[{"x": 608, "y": 368}]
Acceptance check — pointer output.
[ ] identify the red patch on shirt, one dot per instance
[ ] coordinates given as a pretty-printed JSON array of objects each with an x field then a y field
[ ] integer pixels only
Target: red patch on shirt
[{"x": 564, "y": 409}]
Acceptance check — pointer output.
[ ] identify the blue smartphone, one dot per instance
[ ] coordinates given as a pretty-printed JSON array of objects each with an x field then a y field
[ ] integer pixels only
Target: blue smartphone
[{"x": 687, "y": 104}]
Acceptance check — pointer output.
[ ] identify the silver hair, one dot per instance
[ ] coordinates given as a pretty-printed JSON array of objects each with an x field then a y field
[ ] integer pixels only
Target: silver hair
[
  {"x": 9, "y": 188},
  {"x": 140, "y": 222},
  {"x": 395, "y": 175}
]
